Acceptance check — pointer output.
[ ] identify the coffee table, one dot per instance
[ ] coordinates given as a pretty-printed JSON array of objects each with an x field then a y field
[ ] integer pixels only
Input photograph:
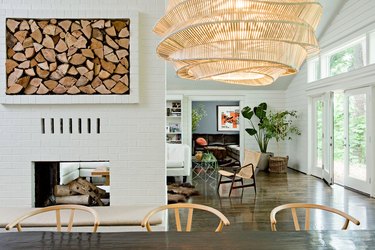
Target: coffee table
[{"x": 205, "y": 170}]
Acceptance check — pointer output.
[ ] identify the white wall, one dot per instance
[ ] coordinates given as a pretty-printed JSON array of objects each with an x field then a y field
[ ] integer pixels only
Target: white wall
[
  {"x": 355, "y": 18},
  {"x": 132, "y": 135}
]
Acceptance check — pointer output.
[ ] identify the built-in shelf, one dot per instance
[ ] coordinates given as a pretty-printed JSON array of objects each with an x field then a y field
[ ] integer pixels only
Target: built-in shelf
[{"x": 174, "y": 119}]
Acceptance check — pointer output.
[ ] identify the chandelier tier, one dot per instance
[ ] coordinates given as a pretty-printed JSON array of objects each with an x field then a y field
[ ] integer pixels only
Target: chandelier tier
[{"x": 250, "y": 42}]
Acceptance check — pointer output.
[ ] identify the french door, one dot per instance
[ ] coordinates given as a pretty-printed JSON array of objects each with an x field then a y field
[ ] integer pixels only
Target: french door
[
  {"x": 357, "y": 171},
  {"x": 322, "y": 128}
]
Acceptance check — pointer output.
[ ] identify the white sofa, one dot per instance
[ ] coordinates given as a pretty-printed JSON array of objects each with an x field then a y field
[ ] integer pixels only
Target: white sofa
[
  {"x": 178, "y": 160},
  {"x": 70, "y": 171}
]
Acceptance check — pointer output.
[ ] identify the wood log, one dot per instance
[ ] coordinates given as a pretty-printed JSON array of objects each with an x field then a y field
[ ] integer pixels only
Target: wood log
[
  {"x": 77, "y": 59},
  {"x": 48, "y": 42},
  {"x": 24, "y": 81},
  {"x": 55, "y": 39},
  {"x": 20, "y": 57},
  {"x": 82, "y": 186},
  {"x": 87, "y": 89},
  {"x": 96, "y": 44},
  {"x": 29, "y": 52},
  {"x": 37, "y": 36},
  {"x": 96, "y": 82},
  {"x": 74, "y": 199},
  {"x": 21, "y": 35},
  {"x": 10, "y": 53},
  {"x": 75, "y": 26},
  {"x": 61, "y": 46},
  {"x": 119, "y": 25},
  {"x": 108, "y": 66},
  {"x": 53, "y": 21},
  {"x": 33, "y": 63},
  {"x": 97, "y": 34},
  {"x": 82, "y": 81},
  {"x": 82, "y": 70},
  {"x": 125, "y": 62},
  {"x": 77, "y": 33},
  {"x": 37, "y": 47},
  {"x": 24, "y": 65},
  {"x": 107, "y": 50},
  {"x": 52, "y": 66},
  {"x": 42, "y": 73},
  {"x": 111, "y": 31},
  {"x": 62, "y": 58},
  {"x": 125, "y": 80},
  {"x": 85, "y": 23},
  {"x": 99, "y": 53},
  {"x": 104, "y": 74},
  {"x": 39, "y": 57},
  {"x": 14, "y": 76},
  {"x": 65, "y": 25},
  {"x": 28, "y": 43},
  {"x": 89, "y": 75},
  {"x": 10, "y": 65},
  {"x": 120, "y": 69},
  {"x": 123, "y": 43},
  {"x": 24, "y": 25},
  {"x": 97, "y": 68},
  {"x": 107, "y": 24},
  {"x": 49, "y": 29},
  {"x": 73, "y": 71},
  {"x": 50, "y": 84},
  {"x": 68, "y": 81},
  {"x": 43, "y": 65},
  {"x": 81, "y": 43},
  {"x": 18, "y": 47},
  {"x": 30, "y": 90},
  {"x": 87, "y": 53},
  {"x": 59, "y": 31},
  {"x": 112, "y": 58},
  {"x": 49, "y": 55},
  {"x": 89, "y": 65},
  {"x": 72, "y": 51},
  {"x": 30, "y": 72},
  {"x": 102, "y": 90},
  {"x": 119, "y": 88},
  {"x": 122, "y": 53},
  {"x": 116, "y": 77},
  {"x": 63, "y": 190},
  {"x": 70, "y": 40},
  {"x": 109, "y": 83},
  {"x": 73, "y": 90},
  {"x": 59, "y": 89},
  {"x": 36, "y": 82},
  {"x": 12, "y": 25},
  {"x": 124, "y": 33},
  {"x": 33, "y": 25},
  {"x": 42, "y": 90},
  {"x": 42, "y": 24},
  {"x": 14, "y": 89},
  {"x": 98, "y": 24},
  {"x": 111, "y": 43}
]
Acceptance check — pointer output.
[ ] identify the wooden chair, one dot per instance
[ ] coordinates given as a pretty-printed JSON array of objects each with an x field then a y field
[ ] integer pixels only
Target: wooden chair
[
  {"x": 294, "y": 206},
  {"x": 246, "y": 171},
  {"x": 176, "y": 207},
  {"x": 57, "y": 209}
]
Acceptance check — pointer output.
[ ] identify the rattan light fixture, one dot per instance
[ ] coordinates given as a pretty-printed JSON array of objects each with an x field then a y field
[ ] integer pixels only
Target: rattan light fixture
[{"x": 251, "y": 42}]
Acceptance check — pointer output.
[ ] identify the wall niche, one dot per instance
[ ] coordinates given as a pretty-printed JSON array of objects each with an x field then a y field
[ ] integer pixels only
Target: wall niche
[{"x": 67, "y": 56}]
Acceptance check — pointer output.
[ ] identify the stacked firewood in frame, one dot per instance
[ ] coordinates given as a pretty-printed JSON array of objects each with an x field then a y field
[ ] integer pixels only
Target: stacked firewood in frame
[{"x": 59, "y": 56}]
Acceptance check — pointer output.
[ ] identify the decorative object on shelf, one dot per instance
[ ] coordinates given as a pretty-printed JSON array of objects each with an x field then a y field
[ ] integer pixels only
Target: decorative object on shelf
[
  {"x": 241, "y": 42},
  {"x": 228, "y": 118},
  {"x": 67, "y": 56},
  {"x": 197, "y": 114},
  {"x": 198, "y": 155}
]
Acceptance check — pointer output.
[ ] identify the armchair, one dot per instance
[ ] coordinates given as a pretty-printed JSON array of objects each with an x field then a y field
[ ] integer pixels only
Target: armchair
[{"x": 178, "y": 160}]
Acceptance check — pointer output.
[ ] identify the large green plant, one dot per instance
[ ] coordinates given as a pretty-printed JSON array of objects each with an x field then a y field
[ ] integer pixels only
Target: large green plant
[
  {"x": 259, "y": 132},
  {"x": 280, "y": 125},
  {"x": 197, "y": 114}
]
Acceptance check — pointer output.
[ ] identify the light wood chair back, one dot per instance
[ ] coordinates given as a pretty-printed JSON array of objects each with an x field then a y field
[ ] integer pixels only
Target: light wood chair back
[
  {"x": 251, "y": 157},
  {"x": 17, "y": 222},
  {"x": 294, "y": 206},
  {"x": 176, "y": 207}
]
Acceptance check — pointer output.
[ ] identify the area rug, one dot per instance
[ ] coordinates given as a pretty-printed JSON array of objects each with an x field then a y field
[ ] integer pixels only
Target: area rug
[{"x": 180, "y": 192}]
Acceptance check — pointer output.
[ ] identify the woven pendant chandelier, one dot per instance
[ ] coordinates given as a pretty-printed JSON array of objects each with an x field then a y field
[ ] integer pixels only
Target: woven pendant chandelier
[{"x": 250, "y": 42}]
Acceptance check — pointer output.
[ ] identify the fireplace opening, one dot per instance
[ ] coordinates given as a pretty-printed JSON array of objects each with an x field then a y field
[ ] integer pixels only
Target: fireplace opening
[{"x": 85, "y": 183}]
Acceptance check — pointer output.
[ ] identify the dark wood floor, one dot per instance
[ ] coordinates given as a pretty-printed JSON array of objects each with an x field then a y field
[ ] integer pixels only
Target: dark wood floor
[{"x": 247, "y": 211}]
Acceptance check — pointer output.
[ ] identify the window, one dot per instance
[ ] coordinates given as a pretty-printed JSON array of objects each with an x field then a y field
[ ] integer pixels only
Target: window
[
  {"x": 313, "y": 69},
  {"x": 372, "y": 47},
  {"x": 348, "y": 58}
]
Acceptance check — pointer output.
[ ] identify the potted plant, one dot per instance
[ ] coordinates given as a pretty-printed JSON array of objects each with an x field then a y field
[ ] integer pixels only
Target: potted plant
[
  {"x": 258, "y": 129},
  {"x": 197, "y": 114},
  {"x": 280, "y": 125}
]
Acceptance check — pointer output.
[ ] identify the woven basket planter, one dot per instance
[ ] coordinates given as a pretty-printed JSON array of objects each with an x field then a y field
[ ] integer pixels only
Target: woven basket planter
[{"x": 278, "y": 164}]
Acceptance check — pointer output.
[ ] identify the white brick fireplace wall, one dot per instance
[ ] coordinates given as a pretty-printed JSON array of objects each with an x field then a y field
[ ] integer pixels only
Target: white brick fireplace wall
[{"x": 131, "y": 136}]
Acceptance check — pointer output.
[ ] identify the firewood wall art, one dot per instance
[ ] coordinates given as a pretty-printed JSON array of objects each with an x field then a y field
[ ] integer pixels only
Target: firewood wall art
[{"x": 65, "y": 56}]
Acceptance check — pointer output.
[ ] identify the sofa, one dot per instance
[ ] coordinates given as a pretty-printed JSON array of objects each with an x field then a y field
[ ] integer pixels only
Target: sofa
[
  {"x": 178, "y": 160},
  {"x": 70, "y": 171}
]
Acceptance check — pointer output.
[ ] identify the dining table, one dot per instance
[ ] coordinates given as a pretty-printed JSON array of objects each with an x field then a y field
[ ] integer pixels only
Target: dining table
[{"x": 354, "y": 239}]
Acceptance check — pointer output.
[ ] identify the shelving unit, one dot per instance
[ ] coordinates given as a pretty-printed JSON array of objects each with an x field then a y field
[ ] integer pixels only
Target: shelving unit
[{"x": 174, "y": 119}]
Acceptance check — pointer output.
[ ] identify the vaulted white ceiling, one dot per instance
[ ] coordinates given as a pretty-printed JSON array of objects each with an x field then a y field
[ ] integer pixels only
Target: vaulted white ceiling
[{"x": 330, "y": 9}]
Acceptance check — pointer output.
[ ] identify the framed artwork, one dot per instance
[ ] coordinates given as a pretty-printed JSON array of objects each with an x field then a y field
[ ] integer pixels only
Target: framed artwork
[{"x": 228, "y": 118}]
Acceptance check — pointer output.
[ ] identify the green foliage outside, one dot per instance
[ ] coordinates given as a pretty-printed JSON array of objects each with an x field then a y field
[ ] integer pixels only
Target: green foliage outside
[
  {"x": 197, "y": 114},
  {"x": 346, "y": 60}
]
